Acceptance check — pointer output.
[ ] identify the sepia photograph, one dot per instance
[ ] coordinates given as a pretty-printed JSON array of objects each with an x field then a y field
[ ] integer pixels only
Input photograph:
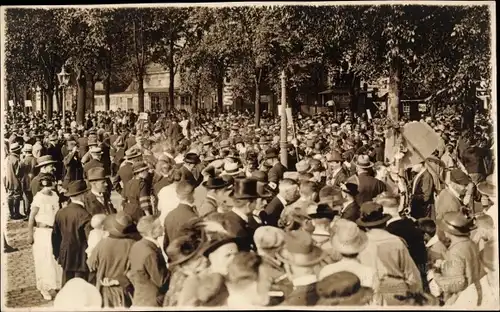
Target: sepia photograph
[{"x": 259, "y": 156}]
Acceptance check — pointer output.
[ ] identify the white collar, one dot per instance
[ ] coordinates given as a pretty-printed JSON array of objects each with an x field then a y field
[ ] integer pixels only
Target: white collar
[
  {"x": 240, "y": 214},
  {"x": 77, "y": 202},
  {"x": 186, "y": 203},
  {"x": 282, "y": 200},
  {"x": 305, "y": 280},
  {"x": 97, "y": 194},
  {"x": 432, "y": 241},
  {"x": 154, "y": 241}
]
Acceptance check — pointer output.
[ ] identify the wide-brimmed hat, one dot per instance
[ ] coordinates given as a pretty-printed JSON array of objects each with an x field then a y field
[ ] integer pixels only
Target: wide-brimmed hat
[
  {"x": 459, "y": 177},
  {"x": 95, "y": 150},
  {"x": 299, "y": 250},
  {"x": 76, "y": 188},
  {"x": 15, "y": 147},
  {"x": 96, "y": 174},
  {"x": 342, "y": 288},
  {"x": 131, "y": 154},
  {"x": 44, "y": 161},
  {"x": 245, "y": 189},
  {"x": 192, "y": 158},
  {"x": 206, "y": 140},
  {"x": 117, "y": 224},
  {"x": 269, "y": 237},
  {"x": 216, "y": 240},
  {"x": 456, "y": 223},
  {"x": 215, "y": 183},
  {"x": 184, "y": 248},
  {"x": 363, "y": 161},
  {"x": 272, "y": 153},
  {"x": 264, "y": 140},
  {"x": 487, "y": 187},
  {"x": 348, "y": 239},
  {"x": 139, "y": 167},
  {"x": 372, "y": 214},
  {"x": 302, "y": 166},
  {"x": 323, "y": 211},
  {"x": 231, "y": 168},
  {"x": 349, "y": 188}
]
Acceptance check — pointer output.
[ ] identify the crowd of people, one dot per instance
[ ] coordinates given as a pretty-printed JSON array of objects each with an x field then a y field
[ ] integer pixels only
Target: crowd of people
[{"x": 211, "y": 216}]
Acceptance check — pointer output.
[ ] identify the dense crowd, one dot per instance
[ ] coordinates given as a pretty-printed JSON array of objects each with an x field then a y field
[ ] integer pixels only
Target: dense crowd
[{"x": 210, "y": 216}]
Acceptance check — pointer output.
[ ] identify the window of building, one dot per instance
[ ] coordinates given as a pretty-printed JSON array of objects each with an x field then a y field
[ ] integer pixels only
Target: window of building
[
  {"x": 406, "y": 109},
  {"x": 159, "y": 82}
]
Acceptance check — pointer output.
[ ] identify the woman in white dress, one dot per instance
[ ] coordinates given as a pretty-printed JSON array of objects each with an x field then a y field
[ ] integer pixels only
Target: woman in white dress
[{"x": 43, "y": 211}]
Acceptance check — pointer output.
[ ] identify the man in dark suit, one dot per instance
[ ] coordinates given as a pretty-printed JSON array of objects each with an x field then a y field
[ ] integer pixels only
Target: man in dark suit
[
  {"x": 288, "y": 193},
  {"x": 146, "y": 260},
  {"x": 277, "y": 170},
  {"x": 98, "y": 199},
  {"x": 368, "y": 186},
  {"x": 407, "y": 229},
  {"x": 180, "y": 216},
  {"x": 422, "y": 195},
  {"x": 125, "y": 172},
  {"x": 188, "y": 172},
  {"x": 96, "y": 154},
  {"x": 240, "y": 222},
  {"x": 28, "y": 164},
  {"x": 350, "y": 209},
  {"x": 54, "y": 150},
  {"x": 70, "y": 233},
  {"x": 73, "y": 164},
  {"x": 83, "y": 141}
]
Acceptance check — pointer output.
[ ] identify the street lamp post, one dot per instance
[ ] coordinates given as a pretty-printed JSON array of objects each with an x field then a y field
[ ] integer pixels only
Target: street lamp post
[
  {"x": 284, "y": 129},
  {"x": 63, "y": 78}
]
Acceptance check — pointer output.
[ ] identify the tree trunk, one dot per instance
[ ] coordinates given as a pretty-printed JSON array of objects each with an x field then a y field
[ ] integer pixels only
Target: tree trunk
[
  {"x": 107, "y": 85},
  {"x": 140, "y": 92},
  {"x": 257, "y": 105},
  {"x": 50, "y": 102},
  {"x": 171, "y": 76},
  {"x": 220, "y": 92},
  {"x": 469, "y": 110},
  {"x": 394, "y": 91},
  {"x": 81, "y": 100},
  {"x": 25, "y": 98},
  {"x": 88, "y": 92},
  {"x": 92, "y": 94}
]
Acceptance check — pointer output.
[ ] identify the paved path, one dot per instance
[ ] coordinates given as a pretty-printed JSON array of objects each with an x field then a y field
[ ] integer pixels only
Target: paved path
[{"x": 19, "y": 284}]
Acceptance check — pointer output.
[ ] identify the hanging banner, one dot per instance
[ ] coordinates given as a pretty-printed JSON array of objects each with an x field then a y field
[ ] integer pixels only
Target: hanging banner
[
  {"x": 28, "y": 103},
  {"x": 369, "y": 114},
  {"x": 143, "y": 116},
  {"x": 11, "y": 103}
]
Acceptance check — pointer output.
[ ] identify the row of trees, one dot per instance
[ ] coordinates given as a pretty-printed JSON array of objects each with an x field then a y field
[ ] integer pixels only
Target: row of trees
[{"x": 426, "y": 48}]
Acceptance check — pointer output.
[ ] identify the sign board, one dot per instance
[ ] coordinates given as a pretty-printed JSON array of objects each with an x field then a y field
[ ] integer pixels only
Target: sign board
[
  {"x": 289, "y": 118},
  {"x": 279, "y": 110},
  {"x": 369, "y": 114},
  {"x": 422, "y": 107},
  {"x": 28, "y": 103},
  {"x": 11, "y": 103},
  {"x": 143, "y": 116},
  {"x": 265, "y": 98},
  {"x": 342, "y": 100}
]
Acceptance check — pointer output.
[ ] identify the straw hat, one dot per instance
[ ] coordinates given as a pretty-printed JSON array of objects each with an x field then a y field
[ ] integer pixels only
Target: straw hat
[
  {"x": 363, "y": 161},
  {"x": 372, "y": 214},
  {"x": 299, "y": 250},
  {"x": 348, "y": 239},
  {"x": 342, "y": 288},
  {"x": 456, "y": 223}
]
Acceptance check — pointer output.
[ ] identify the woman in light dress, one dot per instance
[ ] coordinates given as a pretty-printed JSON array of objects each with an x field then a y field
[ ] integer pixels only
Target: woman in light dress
[{"x": 41, "y": 220}]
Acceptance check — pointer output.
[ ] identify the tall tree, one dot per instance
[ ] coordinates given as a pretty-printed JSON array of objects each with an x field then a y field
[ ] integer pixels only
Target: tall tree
[
  {"x": 140, "y": 26},
  {"x": 34, "y": 49}
]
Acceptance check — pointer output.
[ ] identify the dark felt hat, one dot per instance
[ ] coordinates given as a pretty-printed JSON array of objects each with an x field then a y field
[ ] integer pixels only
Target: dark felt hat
[
  {"x": 45, "y": 160},
  {"x": 214, "y": 183},
  {"x": 372, "y": 214},
  {"x": 191, "y": 158},
  {"x": 76, "y": 188},
  {"x": 245, "y": 189}
]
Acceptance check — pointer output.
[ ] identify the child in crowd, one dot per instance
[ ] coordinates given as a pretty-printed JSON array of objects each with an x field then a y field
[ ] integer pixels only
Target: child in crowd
[{"x": 97, "y": 234}]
